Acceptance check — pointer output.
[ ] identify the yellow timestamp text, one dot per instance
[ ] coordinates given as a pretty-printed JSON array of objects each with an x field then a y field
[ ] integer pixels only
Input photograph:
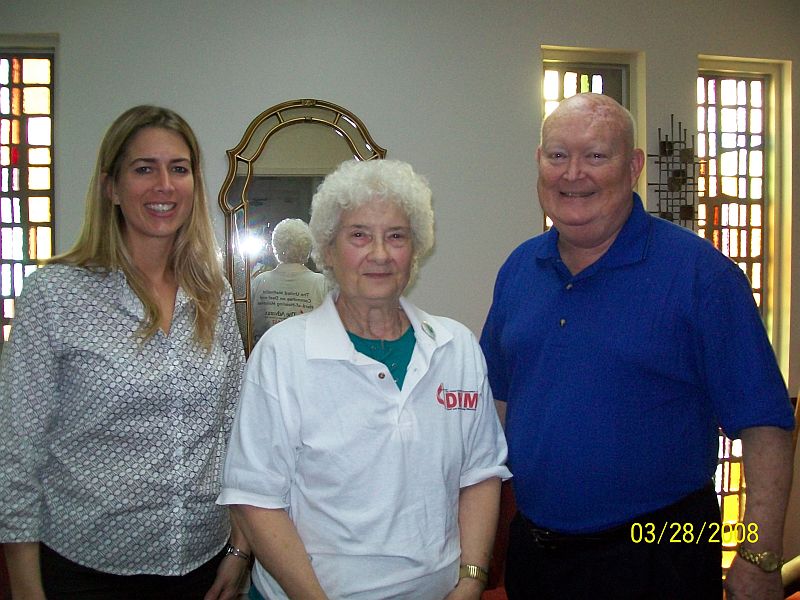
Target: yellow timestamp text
[{"x": 689, "y": 533}]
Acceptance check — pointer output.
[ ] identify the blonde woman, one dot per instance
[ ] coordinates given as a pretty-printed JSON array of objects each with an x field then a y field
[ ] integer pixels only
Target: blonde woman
[{"x": 118, "y": 388}]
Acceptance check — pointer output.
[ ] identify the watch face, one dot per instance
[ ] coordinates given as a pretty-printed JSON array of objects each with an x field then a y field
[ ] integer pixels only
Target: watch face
[{"x": 769, "y": 562}]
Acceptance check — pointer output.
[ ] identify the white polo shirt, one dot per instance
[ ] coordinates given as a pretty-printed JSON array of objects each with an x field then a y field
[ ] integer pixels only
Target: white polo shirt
[{"x": 370, "y": 474}]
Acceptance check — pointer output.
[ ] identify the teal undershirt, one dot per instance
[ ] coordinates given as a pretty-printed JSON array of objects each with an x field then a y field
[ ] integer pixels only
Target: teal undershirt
[{"x": 395, "y": 354}]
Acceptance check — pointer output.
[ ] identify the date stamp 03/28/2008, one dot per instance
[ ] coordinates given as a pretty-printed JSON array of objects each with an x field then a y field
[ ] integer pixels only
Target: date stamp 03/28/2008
[{"x": 689, "y": 533}]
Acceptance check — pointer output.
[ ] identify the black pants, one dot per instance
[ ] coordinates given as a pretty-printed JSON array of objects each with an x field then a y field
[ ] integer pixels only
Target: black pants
[
  {"x": 66, "y": 580},
  {"x": 683, "y": 565}
]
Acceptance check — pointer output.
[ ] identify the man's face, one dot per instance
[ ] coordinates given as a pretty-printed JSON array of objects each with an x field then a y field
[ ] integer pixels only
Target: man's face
[{"x": 586, "y": 174}]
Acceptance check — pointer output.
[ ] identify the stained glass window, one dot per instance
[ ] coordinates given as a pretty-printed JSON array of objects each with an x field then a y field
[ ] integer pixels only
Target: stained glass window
[
  {"x": 565, "y": 79},
  {"x": 731, "y": 143},
  {"x": 26, "y": 172}
]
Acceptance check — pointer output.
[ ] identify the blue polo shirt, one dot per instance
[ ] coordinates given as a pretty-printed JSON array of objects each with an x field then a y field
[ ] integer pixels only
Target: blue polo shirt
[{"x": 616, "y": 379}]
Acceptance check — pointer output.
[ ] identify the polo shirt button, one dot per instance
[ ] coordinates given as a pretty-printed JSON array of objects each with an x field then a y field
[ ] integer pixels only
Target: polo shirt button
[
  {"x": 381, "y": 375},
  {"x": 569, "y": 286},
  {"x": 562, "y": 322}
]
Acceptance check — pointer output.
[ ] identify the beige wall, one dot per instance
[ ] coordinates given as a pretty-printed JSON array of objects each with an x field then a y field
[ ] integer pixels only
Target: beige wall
[{"x": 451, "y": 86}]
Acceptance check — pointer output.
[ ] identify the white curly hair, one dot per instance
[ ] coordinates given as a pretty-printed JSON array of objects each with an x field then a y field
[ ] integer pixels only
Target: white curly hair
[{"x": 291, "y": 241}]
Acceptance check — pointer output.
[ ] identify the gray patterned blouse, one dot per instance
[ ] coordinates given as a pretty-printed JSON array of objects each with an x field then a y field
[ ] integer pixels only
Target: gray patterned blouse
[{"x": 110, "y": 448}]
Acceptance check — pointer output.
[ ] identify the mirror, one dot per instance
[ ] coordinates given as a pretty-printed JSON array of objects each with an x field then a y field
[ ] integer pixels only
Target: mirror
[{"x": 273, "y": 172}]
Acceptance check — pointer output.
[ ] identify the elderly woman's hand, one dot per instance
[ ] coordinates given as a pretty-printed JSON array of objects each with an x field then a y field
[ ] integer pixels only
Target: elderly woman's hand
[{"x": 467, "y": 589}]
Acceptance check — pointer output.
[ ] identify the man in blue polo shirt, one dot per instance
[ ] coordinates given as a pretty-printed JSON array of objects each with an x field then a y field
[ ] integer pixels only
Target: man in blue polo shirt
[{"x": 619, "y": 343}]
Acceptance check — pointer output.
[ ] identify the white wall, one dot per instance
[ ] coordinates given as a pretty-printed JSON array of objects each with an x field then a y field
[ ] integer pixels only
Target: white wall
[{"x": 451, "y": 86}]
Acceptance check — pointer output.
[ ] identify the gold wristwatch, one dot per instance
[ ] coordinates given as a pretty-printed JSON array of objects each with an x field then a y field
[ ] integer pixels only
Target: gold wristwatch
[
  {"x": 766, "y": 561},
  {"x": 474, "y": 572}
]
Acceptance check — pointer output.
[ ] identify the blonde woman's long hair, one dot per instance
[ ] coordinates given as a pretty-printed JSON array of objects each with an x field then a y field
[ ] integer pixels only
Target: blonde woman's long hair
[{"x": 194, "y": 257}]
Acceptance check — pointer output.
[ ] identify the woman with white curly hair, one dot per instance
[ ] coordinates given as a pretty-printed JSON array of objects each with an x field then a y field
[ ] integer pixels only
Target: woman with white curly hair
[
  {"x": 290, "y": 288},
  {"x": 366, "y": 458}
]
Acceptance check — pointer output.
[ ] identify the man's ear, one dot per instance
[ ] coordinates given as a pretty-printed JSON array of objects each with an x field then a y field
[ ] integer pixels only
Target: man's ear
[{"x": 637, "y": 164}]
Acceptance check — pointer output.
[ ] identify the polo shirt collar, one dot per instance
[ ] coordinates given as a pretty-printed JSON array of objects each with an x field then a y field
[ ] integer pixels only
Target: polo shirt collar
[
  {"x": 629, "y": 247},
  {"x": 326, "y": 337},
  {"x": 429, "y": 330},
  {"x": 289, "y": 268}
]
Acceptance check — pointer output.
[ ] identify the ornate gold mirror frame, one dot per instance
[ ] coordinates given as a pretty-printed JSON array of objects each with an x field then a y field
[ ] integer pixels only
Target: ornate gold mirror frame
[{"x": 272, "y": 174}]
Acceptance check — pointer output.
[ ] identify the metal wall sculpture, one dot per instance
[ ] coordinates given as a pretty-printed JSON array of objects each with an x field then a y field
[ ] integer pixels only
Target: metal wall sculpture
[{"x": 677, "y": 165}]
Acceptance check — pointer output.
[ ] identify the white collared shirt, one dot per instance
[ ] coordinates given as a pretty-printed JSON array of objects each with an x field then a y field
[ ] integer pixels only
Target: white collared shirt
[
  {"x": 287, "y": 290},
  {"x": 369, "y": 473}
]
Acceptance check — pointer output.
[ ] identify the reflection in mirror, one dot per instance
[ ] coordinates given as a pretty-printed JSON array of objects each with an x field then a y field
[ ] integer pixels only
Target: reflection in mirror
[
  {"x": 284, "y": 286},
  {"x": 273, "y": 172}
]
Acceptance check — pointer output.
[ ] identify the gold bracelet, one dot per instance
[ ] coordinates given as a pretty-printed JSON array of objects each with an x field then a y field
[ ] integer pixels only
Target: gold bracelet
[{"x": 474, "y": 572}]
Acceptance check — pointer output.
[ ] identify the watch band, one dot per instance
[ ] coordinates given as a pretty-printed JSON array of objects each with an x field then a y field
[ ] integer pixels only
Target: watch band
[
  {"x": 766, "y": 561},
  {"x": 230, "y": 549},
  {"x": 474, "y": 572}
]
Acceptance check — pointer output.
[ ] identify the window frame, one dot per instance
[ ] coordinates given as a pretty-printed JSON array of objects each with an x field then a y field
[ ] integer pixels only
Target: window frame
[
  {"x": 777, "y": 228},
  {"x": 32, "y": 46}
]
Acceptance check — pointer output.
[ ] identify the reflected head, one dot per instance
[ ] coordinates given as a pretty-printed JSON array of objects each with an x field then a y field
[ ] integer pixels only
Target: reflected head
[{"x": 291, "y": 241}]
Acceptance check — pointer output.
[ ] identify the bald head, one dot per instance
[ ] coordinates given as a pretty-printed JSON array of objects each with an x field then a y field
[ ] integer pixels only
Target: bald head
[{"x": 599, "y": 109}]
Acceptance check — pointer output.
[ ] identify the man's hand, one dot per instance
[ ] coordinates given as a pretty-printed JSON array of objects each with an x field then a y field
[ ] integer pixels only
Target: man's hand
[{"x": 746, "y": 581}]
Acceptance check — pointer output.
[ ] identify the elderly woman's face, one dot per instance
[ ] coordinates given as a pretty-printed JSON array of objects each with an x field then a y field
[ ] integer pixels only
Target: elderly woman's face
[{"x": 372, "y": 252}]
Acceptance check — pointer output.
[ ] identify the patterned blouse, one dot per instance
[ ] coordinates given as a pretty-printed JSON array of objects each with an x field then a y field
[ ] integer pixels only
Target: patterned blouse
[{"x": 110, "y": 448}]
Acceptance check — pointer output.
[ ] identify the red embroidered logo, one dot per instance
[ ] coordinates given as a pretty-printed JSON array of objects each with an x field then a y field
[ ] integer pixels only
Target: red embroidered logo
[{"x": 456, "y": 399}]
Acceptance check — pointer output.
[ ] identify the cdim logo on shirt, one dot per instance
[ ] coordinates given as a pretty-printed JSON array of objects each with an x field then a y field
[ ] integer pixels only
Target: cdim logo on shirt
[{"x": 456, "y": 399}]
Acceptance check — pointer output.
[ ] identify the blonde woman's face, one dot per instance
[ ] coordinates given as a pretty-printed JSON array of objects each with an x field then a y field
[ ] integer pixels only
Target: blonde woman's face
[{"x": 155, "y": 186}]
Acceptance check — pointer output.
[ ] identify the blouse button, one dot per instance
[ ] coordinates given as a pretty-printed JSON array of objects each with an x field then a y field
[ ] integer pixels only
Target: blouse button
[
  {"x": 562, "y": 322},
  {"x": 569, "y": 286},
  {"x": 381, "y": 375}
]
